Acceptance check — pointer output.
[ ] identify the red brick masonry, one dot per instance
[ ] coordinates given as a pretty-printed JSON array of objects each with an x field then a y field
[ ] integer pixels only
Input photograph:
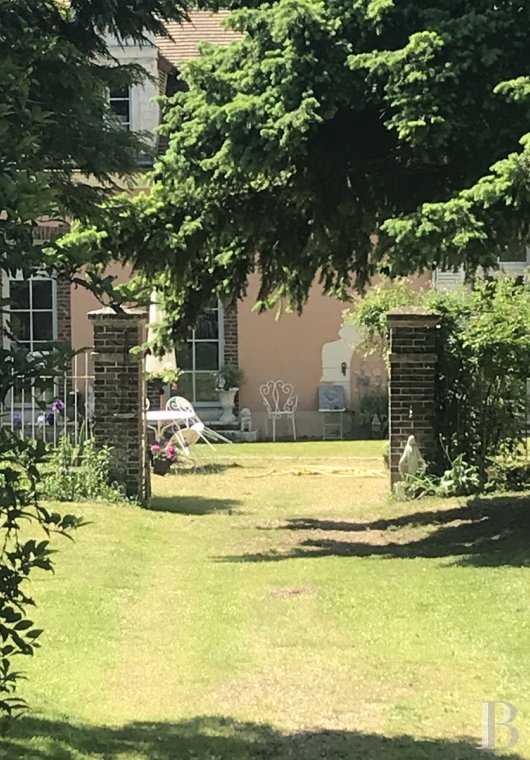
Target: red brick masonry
[
  {"x": 412, "y": 374},
  {"x": 119, "y": 396}
]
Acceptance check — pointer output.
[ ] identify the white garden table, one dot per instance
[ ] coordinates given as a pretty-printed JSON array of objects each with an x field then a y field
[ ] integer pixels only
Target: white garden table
[{"x": 163, "y": 419}]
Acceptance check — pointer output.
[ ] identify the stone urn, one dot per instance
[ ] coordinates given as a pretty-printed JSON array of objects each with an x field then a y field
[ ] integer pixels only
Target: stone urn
[{"x": 227, "y": 399}]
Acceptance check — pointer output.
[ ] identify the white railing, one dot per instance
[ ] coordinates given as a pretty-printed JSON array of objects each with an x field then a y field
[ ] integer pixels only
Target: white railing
[{"x": 65, "y": 407}]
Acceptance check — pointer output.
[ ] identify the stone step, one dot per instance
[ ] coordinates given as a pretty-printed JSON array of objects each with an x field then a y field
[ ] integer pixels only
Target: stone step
[
  {"x": 220, "y": 426},
  {"x": 236, "y": 435}
]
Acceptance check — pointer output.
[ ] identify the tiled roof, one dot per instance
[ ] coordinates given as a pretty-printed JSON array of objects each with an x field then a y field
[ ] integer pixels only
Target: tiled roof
[{"x": 202, "y": 27}]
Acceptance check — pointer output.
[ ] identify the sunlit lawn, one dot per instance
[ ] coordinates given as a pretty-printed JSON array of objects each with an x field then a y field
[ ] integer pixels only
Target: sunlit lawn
[{"x": 279, "y": 605}]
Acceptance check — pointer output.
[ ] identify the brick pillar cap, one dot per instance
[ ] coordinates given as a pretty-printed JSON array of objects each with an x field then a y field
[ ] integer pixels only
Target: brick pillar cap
[
  {"x": 107, "y": 312},
  {"x": 412, "y": 316}
]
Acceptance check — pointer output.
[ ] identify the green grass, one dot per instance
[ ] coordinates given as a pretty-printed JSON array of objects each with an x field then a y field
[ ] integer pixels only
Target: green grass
[
  {"x": 312, "y": 449},
  {"x": 282, "y": 608}
]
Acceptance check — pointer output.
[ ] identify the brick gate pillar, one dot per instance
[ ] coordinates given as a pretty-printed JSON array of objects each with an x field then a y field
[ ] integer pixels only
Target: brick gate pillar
[
  {"x": 412, "y": 374},
  {"x": 119, "y": 396}
]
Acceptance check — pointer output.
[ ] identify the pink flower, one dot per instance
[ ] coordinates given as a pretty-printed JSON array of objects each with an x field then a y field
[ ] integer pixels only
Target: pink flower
[
  {"x": 171, "y": 452},
  {"x": 155, "y": 446}
]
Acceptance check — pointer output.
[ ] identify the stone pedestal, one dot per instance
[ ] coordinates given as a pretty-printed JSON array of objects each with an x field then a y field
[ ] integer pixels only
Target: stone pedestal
[
  {"x": 412, "y": 382},
  {"x": 119, "y": 396},
  {"x": 227, "y": 399}
]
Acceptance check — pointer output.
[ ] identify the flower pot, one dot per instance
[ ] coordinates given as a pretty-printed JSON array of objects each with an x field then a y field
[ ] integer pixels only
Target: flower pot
[
  {"x": 161, "y": 466},
  {"x": 227, "y": 398}
]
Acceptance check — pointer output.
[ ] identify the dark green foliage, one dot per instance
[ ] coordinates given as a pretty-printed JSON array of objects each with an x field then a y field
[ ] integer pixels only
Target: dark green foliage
[
  {"x": 509, "y": 475},
  {"x": 55, "y": 125},
  {"x": 228, "y": 377},
  {"x": 483, "y": 346},
  {"x": 459, "y": 479},
  {"x": 60, "y": 153},
  {"x": 20, "y": 555},
  {"x": 336, "y": 139}
]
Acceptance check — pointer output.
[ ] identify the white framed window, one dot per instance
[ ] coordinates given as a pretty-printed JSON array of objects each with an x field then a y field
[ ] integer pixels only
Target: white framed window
[
  {"x": 120, "y": 105},
  {"x": 200, "y": 357},
  {"x": 31, "y": 312},
  {"x": 32, "y": 309}
]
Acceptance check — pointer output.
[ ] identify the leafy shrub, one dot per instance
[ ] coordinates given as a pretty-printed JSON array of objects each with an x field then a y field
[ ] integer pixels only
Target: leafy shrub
[
  {"x": 483, "y": 347},
  {"x": 510, "y": 475},
  {"x": 21, "y": 554},
  {"x": 460, "y": 479},
  {"x": 77, "y": 473}
]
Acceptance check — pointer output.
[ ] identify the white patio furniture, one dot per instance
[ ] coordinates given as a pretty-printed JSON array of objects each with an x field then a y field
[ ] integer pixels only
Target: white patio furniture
[
  {"x": 191, "y": 435},
  {"x": 179, "y": 404},
  {"x": 331, "y": 406},
  {"x": 280, "y": 402},
  {"x": 187, "y": 437},
  {"x": 161, "y": 420}
]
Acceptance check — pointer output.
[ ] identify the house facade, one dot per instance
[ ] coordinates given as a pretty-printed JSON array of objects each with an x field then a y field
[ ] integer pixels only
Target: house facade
[{"x": 308, "y": 351}]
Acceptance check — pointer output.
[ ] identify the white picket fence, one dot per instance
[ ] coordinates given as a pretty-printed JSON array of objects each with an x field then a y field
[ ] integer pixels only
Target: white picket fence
[{"x": 64, "y": 408}]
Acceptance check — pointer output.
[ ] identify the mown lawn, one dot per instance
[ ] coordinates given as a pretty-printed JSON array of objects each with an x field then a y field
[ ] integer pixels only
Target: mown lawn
[{"x": 279, "y": 605}]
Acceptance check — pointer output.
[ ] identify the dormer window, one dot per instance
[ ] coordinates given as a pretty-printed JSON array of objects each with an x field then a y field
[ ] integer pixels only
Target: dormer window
[{"x": 120, "y": 105}]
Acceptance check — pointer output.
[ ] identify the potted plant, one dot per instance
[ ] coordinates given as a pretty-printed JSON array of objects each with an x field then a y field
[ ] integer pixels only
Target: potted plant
[
  {"x": 227, "y": 381},
  {"x": 373, "y": 415},
  {"x": 163, "y": 377},
  {"x": 162, "y": 455},
  {"x": 157, "y": 381}
]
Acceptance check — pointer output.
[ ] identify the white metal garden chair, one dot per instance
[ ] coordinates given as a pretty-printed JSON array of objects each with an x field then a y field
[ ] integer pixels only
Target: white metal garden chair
[
  {"x": 187, "y": 438},
  {"x": 281, "y": 402},
  {"x": 181, "y": 404}
]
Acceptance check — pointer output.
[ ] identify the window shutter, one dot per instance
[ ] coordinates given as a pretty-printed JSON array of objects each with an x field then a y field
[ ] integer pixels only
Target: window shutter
[
  {"x": 444, "y": 280},
  {"x": 513, "y": 268}
]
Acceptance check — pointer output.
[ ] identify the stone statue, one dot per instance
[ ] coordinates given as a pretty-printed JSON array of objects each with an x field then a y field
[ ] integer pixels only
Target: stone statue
[
  {"x": 245, "y": 420},
  {"x": 411, "y": 462}
]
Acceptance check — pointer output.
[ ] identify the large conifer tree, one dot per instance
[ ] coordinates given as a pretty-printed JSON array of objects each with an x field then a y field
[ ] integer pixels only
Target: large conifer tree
[{"x": 336, "y": 139}]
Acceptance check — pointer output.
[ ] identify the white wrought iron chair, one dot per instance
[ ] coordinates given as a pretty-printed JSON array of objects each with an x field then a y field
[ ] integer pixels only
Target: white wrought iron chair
[
  {"x": 186, "y": 438},
  {"x": 181, "y": 404},
  {"x": 281, "y": 402}
]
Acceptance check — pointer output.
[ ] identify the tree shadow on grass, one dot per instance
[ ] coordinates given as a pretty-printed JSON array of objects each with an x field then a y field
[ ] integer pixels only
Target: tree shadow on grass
[
  {"x": 206, "y": 468},
  {"x": 218, "y": 738},
  {"x": 484, "y": 532},
  {"x": 192, "y": 505}
]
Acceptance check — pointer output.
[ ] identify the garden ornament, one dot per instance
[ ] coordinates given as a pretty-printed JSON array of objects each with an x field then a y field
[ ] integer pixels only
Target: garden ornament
[
  {"x": 411, "y": 462},
  {"x": 245, "y": 420}
]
